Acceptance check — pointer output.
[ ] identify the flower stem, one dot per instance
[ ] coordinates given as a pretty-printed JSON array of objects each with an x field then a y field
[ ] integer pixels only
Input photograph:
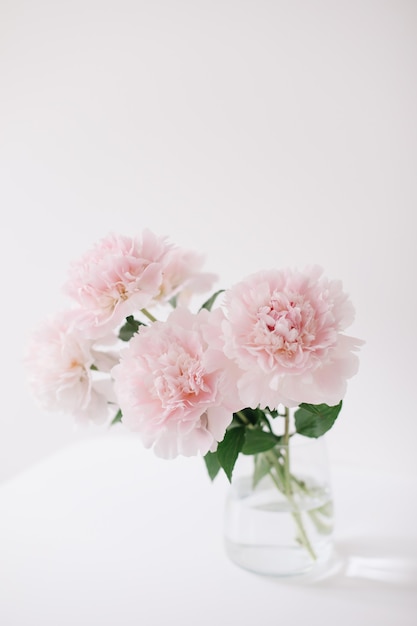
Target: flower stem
[
  {"x": 148, "y": 315},
  {"x": 282, "y": 478},
  {"x": 289, "y": 492},
  {"x": 243, "y": 417}
]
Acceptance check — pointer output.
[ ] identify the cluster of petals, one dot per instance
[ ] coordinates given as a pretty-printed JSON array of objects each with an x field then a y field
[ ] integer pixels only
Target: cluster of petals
[
  {"x": 121, "y": 275},
  {"x": 283, "y": 329},
  {"x": 278, "y": 339},
  {"x": 174, "y": 387},
  {"x": 61, "y": 364}
]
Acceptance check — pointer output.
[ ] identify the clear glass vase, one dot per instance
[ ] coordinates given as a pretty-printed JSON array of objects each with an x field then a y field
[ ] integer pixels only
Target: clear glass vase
[{"x": 278, "y": 516}]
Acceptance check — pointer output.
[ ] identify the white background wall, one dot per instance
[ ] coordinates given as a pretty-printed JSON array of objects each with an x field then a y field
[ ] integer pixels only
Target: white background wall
[{"x": 264, "y": 133}]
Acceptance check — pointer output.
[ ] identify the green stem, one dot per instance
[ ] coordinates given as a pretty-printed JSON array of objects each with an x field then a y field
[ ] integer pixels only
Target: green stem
[
  {"x": 149, "y": 315},
  {"x": 243, "y": 417},
  {"x": 282, "y": 479},
  {"x": 278, "y": 477},
  {"x": 286, "y": 441},
  {"x": 289, "y": 492},
  {"x": 318, "y": 516}
]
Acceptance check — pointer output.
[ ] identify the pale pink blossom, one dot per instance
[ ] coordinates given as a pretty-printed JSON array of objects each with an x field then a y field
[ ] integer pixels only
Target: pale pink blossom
[
  {"x": 174, "y": 388},
  {"x": 118, "y": 276},
  {"x": 121, "y": 275},
  {"x": 61, "y": 364},
  {"x": 283, "y": 330}
]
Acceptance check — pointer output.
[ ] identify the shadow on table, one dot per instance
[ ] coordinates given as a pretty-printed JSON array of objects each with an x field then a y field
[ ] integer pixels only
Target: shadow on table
[{"x": 367, "y": 562}]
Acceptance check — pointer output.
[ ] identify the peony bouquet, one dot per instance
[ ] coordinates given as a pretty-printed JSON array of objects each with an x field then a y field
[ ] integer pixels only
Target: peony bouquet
[{"x": 231, "y": 372}]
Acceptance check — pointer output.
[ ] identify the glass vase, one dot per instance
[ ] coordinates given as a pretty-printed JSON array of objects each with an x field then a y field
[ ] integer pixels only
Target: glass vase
[{"x": 278, "y": 517}]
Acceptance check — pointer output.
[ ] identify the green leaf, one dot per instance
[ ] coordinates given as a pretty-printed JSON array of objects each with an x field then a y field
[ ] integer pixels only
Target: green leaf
[
  {"x": 117, "y": 418},
  {"x": 209, "y": 303},
  {"x": 212, "y": 464},
  {"x": 313, "y": 420},
  {"x": 228, "y": 449},
  {"x": 253, "y": 415},
  {"x": 257, "y": 440},
  {"x": 130, "y": 328}
]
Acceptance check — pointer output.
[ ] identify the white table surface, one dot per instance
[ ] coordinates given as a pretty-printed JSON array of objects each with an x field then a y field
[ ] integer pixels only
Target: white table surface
[{"x": 105, "y": 534}]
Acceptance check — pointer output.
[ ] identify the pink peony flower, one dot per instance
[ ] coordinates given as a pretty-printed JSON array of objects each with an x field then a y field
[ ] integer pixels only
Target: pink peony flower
[
  {"x": 283, "y": 330},
  {"x": 59, "y": 362},
  {"x": 120, "y": 276},
  {"x": 174, "y": 388}
]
